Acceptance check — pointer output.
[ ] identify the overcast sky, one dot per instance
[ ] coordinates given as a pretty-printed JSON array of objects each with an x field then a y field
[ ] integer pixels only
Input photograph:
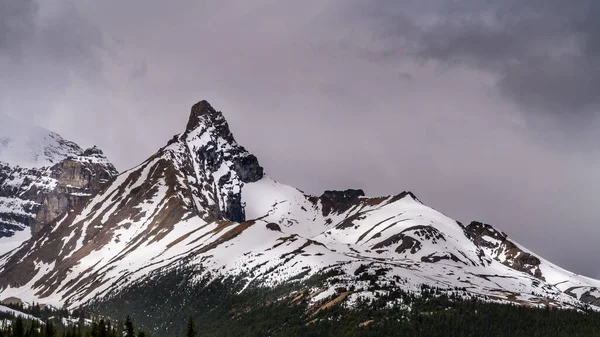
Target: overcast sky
[{"x": 486, "y": 110}]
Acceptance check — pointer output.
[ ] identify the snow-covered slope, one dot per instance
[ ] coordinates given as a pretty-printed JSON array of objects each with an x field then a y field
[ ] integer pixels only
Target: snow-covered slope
[
  {"x": 41, "y": 176},
  {"x": 203, "y": 202},
  {"x": 16, "y": 313}
]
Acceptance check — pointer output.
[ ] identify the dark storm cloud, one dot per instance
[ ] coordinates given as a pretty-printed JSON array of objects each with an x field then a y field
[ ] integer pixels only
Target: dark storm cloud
[
  {"x": 43, "y": 47},
  {"x": 386, "y": 96},
  {"x": 545, "y": 53}
]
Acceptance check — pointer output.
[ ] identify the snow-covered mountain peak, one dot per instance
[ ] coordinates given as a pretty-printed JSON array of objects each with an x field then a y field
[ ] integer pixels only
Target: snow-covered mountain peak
[
  {"x": 219, "y": 165},
  {"x": 30, "y": 146},
  {"x": 211, "y": 143},
  {"x": 203, "y": 205}
]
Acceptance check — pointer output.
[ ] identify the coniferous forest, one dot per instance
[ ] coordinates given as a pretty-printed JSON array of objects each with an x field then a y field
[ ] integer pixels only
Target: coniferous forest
[
  {"x": 430, "y": 316},
  {"x": 218, "y": 309}
]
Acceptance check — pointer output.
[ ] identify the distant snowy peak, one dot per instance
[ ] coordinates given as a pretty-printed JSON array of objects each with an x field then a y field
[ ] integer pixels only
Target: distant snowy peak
[
  {"x": 41, "y": 176},
  {"x": 32, "y": 146}
]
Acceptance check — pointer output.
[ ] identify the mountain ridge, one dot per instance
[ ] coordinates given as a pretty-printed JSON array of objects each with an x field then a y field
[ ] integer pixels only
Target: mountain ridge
[{"x": 204, "y": 203}]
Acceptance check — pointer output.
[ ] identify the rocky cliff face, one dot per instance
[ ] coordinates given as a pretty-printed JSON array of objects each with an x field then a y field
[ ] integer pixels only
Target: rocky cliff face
[
  {"x": 220, "y": 165},
  {"x": 77, "y": 179}
]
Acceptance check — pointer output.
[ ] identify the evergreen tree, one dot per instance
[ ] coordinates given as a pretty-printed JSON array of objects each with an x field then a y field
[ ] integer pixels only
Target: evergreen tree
[
  {"x": 80, "y": 325},
  {"x": 129, "y": 329},
  {"x": 102, "y": 329},
  {"x": 19, "y": 328},
  {"x": 49, "y": 330},
  {"x": 111, "y": 331},
  {"x": 191, "y": 329},
  {"x": 94, "y": 328}
]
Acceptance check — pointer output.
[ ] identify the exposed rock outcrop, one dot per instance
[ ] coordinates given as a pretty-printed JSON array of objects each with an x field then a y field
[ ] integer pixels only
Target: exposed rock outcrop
[
  {"x": 339, "y": 201},
  {"x": 503, "y": 249},
  {"x": 221, "y": 165}
]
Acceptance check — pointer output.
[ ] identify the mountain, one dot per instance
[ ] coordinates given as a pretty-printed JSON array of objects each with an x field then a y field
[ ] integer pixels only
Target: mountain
[
  {"x": 202, "y": 214},
  {"x": 41, "y": 176}
]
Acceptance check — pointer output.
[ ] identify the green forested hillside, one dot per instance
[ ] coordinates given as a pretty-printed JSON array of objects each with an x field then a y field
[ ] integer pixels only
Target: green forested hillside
[{"x": 218, "y": 310}]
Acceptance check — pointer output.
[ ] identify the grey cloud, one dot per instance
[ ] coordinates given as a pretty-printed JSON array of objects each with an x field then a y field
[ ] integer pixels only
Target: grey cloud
[
  {"x": 545, "y": 53},
  {"x": 418, "y": 113},
  {"x": 16, "y": 24},
  {"x": 44, "y": 48}
]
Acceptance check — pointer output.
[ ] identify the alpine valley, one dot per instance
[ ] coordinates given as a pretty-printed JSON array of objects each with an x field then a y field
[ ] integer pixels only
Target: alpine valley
[{"x": 198, "y": 229}]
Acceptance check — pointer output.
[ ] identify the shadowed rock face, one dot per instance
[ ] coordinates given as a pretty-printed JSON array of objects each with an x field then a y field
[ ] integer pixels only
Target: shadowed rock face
[
  {"x": 340, "y": 201},
  {"x": 588, "y": 298},
  {"x": 199, "y": 109},
  {"x": 222, "y": 165},
  {"x": 248, "y": 168}
]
